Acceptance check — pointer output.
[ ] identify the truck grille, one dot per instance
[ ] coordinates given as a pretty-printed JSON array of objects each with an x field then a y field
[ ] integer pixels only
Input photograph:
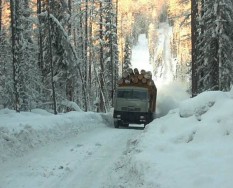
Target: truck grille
[{"x": 130, "y": 109}]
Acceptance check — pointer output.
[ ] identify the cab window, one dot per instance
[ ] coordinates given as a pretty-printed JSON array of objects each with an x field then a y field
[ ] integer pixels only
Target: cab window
[{"x": 132, "y": 94}]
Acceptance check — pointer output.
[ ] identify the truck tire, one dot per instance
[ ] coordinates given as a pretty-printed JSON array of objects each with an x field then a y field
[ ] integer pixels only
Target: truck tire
[
  {"x": 116, "y": 124},
  {"x": 126, "y": 125}
]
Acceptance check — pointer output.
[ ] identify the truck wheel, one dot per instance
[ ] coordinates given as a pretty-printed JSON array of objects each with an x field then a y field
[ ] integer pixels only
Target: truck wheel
[
  {"x": 126, "y": 125},
  {"x": 116, "y": 124}
]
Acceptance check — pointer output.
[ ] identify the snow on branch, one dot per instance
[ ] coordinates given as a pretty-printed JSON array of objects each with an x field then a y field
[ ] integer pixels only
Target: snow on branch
[
  {"x": 72, "y": 105},
  {"x": 64, "y": 33}
]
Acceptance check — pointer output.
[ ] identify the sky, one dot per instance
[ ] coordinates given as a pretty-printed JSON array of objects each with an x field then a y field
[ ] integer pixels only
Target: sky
[{"x": 188, "y": 146}]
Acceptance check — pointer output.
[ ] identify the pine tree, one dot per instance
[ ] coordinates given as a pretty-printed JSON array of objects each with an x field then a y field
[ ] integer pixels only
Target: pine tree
[
  {"x": 6, "y": 87},
  {"x": 104, "y": 53},
  {"x": 225, "y": 39},
  {"x": 59, "y": 72},
  {"x": 215, "y": 42}
]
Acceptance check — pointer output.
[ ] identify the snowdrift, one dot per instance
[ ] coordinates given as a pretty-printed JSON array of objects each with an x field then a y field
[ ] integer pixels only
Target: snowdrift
[
  {"x": 21, "y": 132},
  {"x": 191, "y": 146}
]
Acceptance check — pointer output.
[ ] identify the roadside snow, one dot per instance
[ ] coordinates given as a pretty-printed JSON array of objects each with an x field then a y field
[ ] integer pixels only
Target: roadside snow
[
  {"x": 21, "y": 132},
  {"x": 191, "y": 146},
  {"x": 77, "y": 149}
]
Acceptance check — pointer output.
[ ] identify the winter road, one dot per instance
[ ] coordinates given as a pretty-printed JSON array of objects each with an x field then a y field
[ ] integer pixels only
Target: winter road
[{"x": 92, "y": 159}]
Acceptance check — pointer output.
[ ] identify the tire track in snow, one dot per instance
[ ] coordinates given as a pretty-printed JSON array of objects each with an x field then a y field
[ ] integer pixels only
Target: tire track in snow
[{"x": 87, "y": 160}]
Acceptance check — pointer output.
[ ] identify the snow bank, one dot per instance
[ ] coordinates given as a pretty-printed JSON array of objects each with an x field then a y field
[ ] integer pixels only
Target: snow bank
[
  {"x": 201, "y": 104},
  {"x": 21, "y": 132},
  {"x": 189, "y": 147}
]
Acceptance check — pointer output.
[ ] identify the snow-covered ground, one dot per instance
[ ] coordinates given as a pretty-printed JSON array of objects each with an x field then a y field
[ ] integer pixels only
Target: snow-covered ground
[
  {"x": 77, "y": 149},
  {"x": 190, "y": 147}
]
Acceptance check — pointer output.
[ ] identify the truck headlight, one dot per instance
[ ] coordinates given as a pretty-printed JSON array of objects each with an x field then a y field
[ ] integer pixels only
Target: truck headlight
[{"x": 142, "y": 117}]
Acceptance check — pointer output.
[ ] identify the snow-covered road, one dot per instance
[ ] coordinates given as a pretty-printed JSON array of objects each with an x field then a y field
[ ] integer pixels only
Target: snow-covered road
[
  {"x": 87, "y": 160},
  {"x": 189, "y": 147}
]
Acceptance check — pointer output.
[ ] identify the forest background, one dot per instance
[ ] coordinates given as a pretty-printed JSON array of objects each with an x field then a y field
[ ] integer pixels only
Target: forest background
[{"x": 68, "y": 54}]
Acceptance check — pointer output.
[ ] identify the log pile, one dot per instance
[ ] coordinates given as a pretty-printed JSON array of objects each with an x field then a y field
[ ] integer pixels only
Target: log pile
[
  {"x": 135, "y": 77},
  {"x": 140, "y": 79}
]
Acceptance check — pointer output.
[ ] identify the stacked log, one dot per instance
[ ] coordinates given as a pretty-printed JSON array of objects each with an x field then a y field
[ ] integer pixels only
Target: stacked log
[
  {"x": 143, "y": 72},
  {"x": 140, "y": 76},
  {"x": 130, "y": 71},
  {"x": 136, "y": 71},
  {"x": 135, "y": 77},
  {"x": 120, "y": 81},
  {"x": 144, "y": 80}
]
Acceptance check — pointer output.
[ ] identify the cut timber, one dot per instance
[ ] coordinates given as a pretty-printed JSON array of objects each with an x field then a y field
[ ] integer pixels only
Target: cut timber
[
  {"x": 125, "y": 74},
  {"x": 134, "y": 79},
  {"x": 148, "y": 75},
  {"x": 130, "y": 71},
  {"x": 136, "y": 71},
  {"x": 120, "y": 81},
  {"x": 127, "y": 81},
  {"x": 140, "y": 76},
  {"x": 143, "y": 72},
  {"x": 150, "y": 82},
  {"x": 144, "y": 80}
]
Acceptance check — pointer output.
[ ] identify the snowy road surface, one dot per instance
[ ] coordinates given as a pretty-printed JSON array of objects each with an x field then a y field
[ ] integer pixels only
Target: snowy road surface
[
  {"x": 90, "y": 159},
  {"x": 190, "y": 147}
]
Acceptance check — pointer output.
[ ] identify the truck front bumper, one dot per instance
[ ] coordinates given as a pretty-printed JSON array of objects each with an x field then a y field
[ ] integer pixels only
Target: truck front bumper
[{"x": 133, "y": 117}]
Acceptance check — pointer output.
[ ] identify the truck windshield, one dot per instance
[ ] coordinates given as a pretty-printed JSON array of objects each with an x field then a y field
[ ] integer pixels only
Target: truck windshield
[{"x": 132, "y": 94}]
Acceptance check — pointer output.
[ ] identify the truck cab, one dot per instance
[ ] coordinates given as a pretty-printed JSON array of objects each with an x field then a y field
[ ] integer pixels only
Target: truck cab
[{"x": 132, "y": 106}]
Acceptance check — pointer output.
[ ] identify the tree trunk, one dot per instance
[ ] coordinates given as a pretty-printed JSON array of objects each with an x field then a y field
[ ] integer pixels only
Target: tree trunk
[
  {"x": 116, "y": 59},
  {"x": 69, "y": 81},
  {"x": 102, "y": 103},
  {"x": 194, "y": 13},
  {"x": 40, "y": 43},
  {"x": 220, "y": 47},
  {"x": 51, "y": 60},
  {"x": 70, "y": 12},
  {"x": 14, "y": 6},
  {"x": 112, "y": 61},
  {"x": 90, "y": 55},
  {"x": 86, "y": 54},
  {"x": 82, "y": 57},
  {"x": 0, "y": 19}
]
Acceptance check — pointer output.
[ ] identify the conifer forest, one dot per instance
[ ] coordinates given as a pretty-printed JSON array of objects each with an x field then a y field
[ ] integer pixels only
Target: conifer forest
[{"x": 64, "y": 55}]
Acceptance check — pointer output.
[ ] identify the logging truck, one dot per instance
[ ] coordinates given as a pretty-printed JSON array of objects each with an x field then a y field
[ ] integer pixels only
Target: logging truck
[{"x": 135, "y": 99}]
